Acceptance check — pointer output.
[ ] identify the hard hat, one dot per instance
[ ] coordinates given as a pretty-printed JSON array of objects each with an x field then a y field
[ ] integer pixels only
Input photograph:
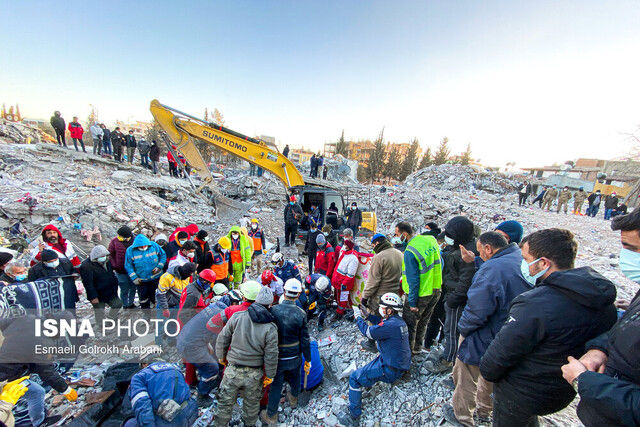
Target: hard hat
[
  {"x": 267, "y": 277},
  {"x": 250, "y": 289},
  {"x": 277, "y": 257},
  {"x": 208, "y": 275},
  {"x": 322, "y": 283},
  {"x": 224, "y": 242},
  {"x": 391, "y": 300},
  {"x": 292, "y": 288},
  {"x": 254, "y": 220},
  {"x": 220, "y": 289},
  {"x": 235, "y": 295},
  {"x": 377, "y": 236}
]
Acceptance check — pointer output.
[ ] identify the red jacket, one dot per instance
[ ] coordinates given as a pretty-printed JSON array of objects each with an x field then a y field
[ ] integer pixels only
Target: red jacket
[
  {"x": 63, "y": 248},
  {"x": 75, "y": 129},
  {"x": 217, "y": 322},
  {"x": 117, "y": 250},
  {"x": 170, "y": 158},
  {"x": 343, "y": 277},
  {"x": 191, "y": 229},
  {"x": 325, "y": 260}
]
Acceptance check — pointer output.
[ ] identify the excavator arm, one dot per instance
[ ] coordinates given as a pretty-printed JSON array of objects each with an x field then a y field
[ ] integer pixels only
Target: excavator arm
[{"x": 183, "y": 129}]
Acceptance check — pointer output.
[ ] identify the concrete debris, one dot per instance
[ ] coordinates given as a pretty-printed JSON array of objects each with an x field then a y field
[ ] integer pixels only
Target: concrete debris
[
  {"x": 23, "y": 134},
  {"x": 460, "y": 178}
]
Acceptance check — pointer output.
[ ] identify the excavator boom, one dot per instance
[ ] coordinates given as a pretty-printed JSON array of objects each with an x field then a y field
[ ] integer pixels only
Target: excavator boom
[{"x": 183, "y": 128}]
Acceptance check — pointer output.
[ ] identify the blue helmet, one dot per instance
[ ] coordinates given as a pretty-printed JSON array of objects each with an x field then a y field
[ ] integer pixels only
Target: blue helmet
[{"x": 377, "y": 236}]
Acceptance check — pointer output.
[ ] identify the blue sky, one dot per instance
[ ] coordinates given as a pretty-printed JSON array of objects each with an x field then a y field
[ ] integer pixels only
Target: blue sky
[{"x": 531, "y": 82}]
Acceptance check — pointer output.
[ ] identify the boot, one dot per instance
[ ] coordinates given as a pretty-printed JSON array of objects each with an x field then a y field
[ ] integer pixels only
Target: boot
[
  {"x": 204, "y": 401},
  {"x": 51, "y": 420},
  {"x": 450, "y": 415},
  {"x": 346, "y": 419},
  {"x": 293, "y": 401},
  {"x": 369, "y": 345},
  {"x": 439, "y": 366},
  {"x": 270, "y": 421}
]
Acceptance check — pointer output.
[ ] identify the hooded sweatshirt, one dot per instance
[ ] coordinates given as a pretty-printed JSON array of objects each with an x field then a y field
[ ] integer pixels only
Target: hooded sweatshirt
[
  {"x": 245, "y": 247},
  {"x": 63, "y": 248},
  {"x": 140, "y": 264},
  {"x": 544, "y": 326}
]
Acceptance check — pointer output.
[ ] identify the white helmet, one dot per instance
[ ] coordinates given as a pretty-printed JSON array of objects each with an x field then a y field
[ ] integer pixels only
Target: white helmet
[
  {"x": 277, "y": 257},
  {"x": 292, "y": 288},
  {"x": 220, "y": 289},
  {"x": 391, "y": 300},
  {"x": 322, "y": 283}
]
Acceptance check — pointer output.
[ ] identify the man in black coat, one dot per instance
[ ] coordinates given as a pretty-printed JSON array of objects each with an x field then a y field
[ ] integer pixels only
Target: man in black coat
[
  {"x": 50, "y": 267},
  {"x": 567, "y": 307},
  {"x": 118, "y": 140},
  {"x": 607, "y": 377},
  {"x": 59, "y": 126},
  {"x": 100, "y": 283},
  {"x": 354, "y": 218},
  {"x": 310, "y": 246},
  {"x": 154, "y": 156},
  {"x": 292, "y": 216},
  {"x": 524, "y": 190},
  {"x": 106, "y": 140},
  {"x": 131, "y": 147}
]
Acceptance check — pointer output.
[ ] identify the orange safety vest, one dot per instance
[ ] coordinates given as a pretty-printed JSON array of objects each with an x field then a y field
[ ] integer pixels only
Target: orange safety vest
[
  {"x": 256, "y": 236},
  {"x": 220, "y": 265},
  {"x": 236, "y": 255}
]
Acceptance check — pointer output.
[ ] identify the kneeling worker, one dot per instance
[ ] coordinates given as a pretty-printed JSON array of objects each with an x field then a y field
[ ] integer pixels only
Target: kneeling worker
[{"x": 392, "y": 338}]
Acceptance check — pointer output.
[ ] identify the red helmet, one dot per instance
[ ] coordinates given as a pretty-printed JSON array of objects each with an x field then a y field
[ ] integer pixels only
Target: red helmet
[
  {"x": 208, "y": 275},
  {"x": 267, "y": 277}
]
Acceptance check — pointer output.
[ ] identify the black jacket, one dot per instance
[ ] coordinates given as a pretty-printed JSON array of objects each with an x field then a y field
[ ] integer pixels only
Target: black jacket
[
  {"x": 106, "y": 135},
  {"x": 457, "y": 275},
  {"x": 613, "y": 398},
  {"x": 154, "y": 153},
  {"x": 20, "y": 340},
  {"x": 99, "y": 280},
  {"x": 546, "y": 325},
  {"x": 527, "y": 189},
  {"x": 311, "y": 247},
  {"x": 64, "y": 270},
  {"x": 58, "y": 123},
  {"x": 592, "y": 198},
  {"x": 354, "y": 218},
  {"x": 292, "y": 214},
  {"x": 293, "y": 335},
  {"x": 131, "y": 141},
  {"x": 117, "y": 138},
  {"x": 611, "y": 202}
]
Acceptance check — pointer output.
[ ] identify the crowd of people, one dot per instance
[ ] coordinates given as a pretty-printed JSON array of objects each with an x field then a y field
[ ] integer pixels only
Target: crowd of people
[
  {"x": 549, "y": 196},
  {"x": 522, "y": 329}
]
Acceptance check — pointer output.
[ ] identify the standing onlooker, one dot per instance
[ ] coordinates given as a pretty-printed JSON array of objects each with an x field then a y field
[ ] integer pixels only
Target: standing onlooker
[
  {"x": 100, "y": 283},
  {"x": 58, "y": 124},
  {"x": 76, "y": 131},
  {"x": 523, "y": 192},
  {"x": 594, "y": 200},
  {"x": 421, "y": 282},
  {"x": 144, "y": 148},
  {"x": 96, "y": 136},
  {"x": 106, "y": 140},
  {"x": 285, "y": 152},
  {"x": 495, "y": 285},
  {"x": 313, "y": 166},
  {"x": 354, "y": 218},
  {"x": 117, "y": 251},
  {"x": 292, "y": 216},
  {"x": 51, "y": 266},
  {"x": 154, "y": 155},
  {"x": 610, "y": 203},
  {"x": 131, "y": 147},
  {"x": 567, "y": 307},
  {"x": 118, "y": 140},
  {"x": 325, "y": 171}
]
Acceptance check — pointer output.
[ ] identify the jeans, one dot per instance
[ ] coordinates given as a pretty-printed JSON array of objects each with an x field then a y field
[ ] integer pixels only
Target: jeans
[
  {"x": 173, "y": 314},
  {"x": 60, "y": 137},
  {"x": 522, "y": 199},
  {"x": 208, "y": 374},
  {"x": 144, "y": 160},
  {"x": 312, "y": 260},
  {"x": 367, "y": 376},
  {"x": 35, "y": 402},
  {"x": 106, "y": 146},
  {"x": 592, "y": 211},
  {"x": 127, "y": 289},
  {"x": 154, "y": 166},
  {"x": 75, "y": 144},
  {"x": 288, "y": 370},
  {"x": 607, "y": 213},
  {"x": 97, "y": 145}
]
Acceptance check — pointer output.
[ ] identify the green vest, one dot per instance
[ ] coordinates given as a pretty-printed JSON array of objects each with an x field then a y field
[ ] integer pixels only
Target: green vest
[{"x": 427, "y": 252}]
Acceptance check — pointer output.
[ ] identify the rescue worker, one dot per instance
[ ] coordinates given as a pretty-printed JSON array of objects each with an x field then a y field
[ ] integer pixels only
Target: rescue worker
[
  {"x": 186, "y": 254},
  {"x": 203, "y": 251},
  {"x": 247, "y": 343},
  {"x": 285, "y": 270},
  {"x": 293, "y": 341},
  {"x": 145, "y": 261},
  {"x": 240, "y": 254},
  {"x": 196, "y": 344},
  {"x": 176, "y": 243},
  {"x": 392, "y": 339},
  {"x": 325, "y": 259},
  {"x": 330, "y": 235},
  {"x": 292, "y": 216},
  {"x": 354, "y": 218},
  {"x": 385, "y": 273},
  {"x": 197, "y": 294},
  {"x": 563, "y": 199},
  {"x": 267, "y": 278},
  {"x": 421, "y": 281},
  {"x": 344, "y": 277},
  {"x": 51, "y": 267},
  {"x": 160, "y": 397},
  {"x": 169, "y": 292},
  {"x": 311, "y": 244},
  {"x": 220, "y": 260},
  {"x": 319, "y": 296},
  {"x": 52, "y": 239},
  {"x": 259, "y": 247},
  {"x": 578, "y": 199},
  {"x": 549, "y": 197}
]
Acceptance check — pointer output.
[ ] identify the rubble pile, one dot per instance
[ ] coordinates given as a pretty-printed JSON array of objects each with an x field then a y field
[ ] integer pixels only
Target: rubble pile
[
  {"x": 461, "y": 178},
  {"x": 22, "y": 133}
]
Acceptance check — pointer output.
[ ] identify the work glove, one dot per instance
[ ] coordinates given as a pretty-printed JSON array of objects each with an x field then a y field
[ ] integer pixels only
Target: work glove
[
  {"x": 13, "y": 391},
  {"x": 70, "y": 394},
  {"x": 356, "y": 312},
  {"x": 264, "y": 251},
  {"x": 312, "y": 305},
  {"x": 307, "y": 367},
  {"x": 363, "y": 310},
  {"x": 266, "y": 381},
  {"x": 223, "y": 362},
  {"x": 231, "y": 277},
  {"x": 166, "y": 313},
  {"x": 137, "y": 282}
]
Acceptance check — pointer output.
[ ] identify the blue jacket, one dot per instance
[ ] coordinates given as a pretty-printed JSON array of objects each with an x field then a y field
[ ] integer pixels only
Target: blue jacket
[
  {"x": 152, "y": 385},
  {"x": 317, "y": 369},
  {"x": 139, "y": 264},
  {"x": 494, "y": 286},
  {"x": 289, "y": 270},
  {"x": 392, "y": 339}
]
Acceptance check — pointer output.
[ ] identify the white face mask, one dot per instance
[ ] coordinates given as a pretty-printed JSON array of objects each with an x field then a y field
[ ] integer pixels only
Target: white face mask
[
  {"x": 190, "y": 255},
  {"x": 381, "y": 312},
  {"x": 235, "y": 236},
  {"x": 448, "y": 240},
  {"x": 254, "y": 226},
  {"x": 182, "y": 242},
  {"x": 206, "y": 239},
  {"x": 102, "y": 259},
  {"x": 143, "y": 248},
  {"x": 53, "y": 264}
]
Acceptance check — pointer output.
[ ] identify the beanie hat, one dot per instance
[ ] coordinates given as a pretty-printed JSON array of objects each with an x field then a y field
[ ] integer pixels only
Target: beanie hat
[
  {"x": 202, "y": 234},
  {"x": 48, "y": 255},
  {"x": 349, "y": 244},
  {"x": 320, "y": 240},
  {"x": 160, "y": 236},
  {"x": 5, "y": 257},
  {"x": 97, "y": 252},
  {"x": 186, "y": 270},
  {"x": 125, "y": 232},
  {"x": 460, "y": 229},
  {"x": 265, "y": 296},
  {"x": 513, "y": 229}
]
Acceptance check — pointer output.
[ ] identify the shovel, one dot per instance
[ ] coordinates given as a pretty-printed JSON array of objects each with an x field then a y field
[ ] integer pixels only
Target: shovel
[{"x": 305, "y": 395}]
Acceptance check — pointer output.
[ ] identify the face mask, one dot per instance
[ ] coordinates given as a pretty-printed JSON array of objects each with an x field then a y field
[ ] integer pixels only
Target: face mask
[
  {"x": 630, "y": 264},
  {"x": 448, "y": 240},
  {"x": 102, "y": 259},
  {"x": 53, "y": 264},
  {"x": 313, "y": 230},
  {"x": 353, "y": 208},
  {"x": 21, "y": 277},
  {"x": 381, "y": 312},
  {"x": 206, "y": 239},
  {"x": 325, "y": 234},
  {"x": 403, "y": 238},
  {"x": 182, "y": 242},
  {"x": 395, "y": 240},
  {"x": 190, "y": 255},
  {"x": 524, "y": 268},
  {"x": 235, "y": 236},
  {"x": 143, "y": 248},
  {"x": 254, "y": 226},
  {"x": 292, "y": 203}
]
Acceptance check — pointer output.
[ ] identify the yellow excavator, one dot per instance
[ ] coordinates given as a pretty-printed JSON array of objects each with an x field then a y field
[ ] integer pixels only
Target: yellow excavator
[{"x": 183, "y": 129}]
